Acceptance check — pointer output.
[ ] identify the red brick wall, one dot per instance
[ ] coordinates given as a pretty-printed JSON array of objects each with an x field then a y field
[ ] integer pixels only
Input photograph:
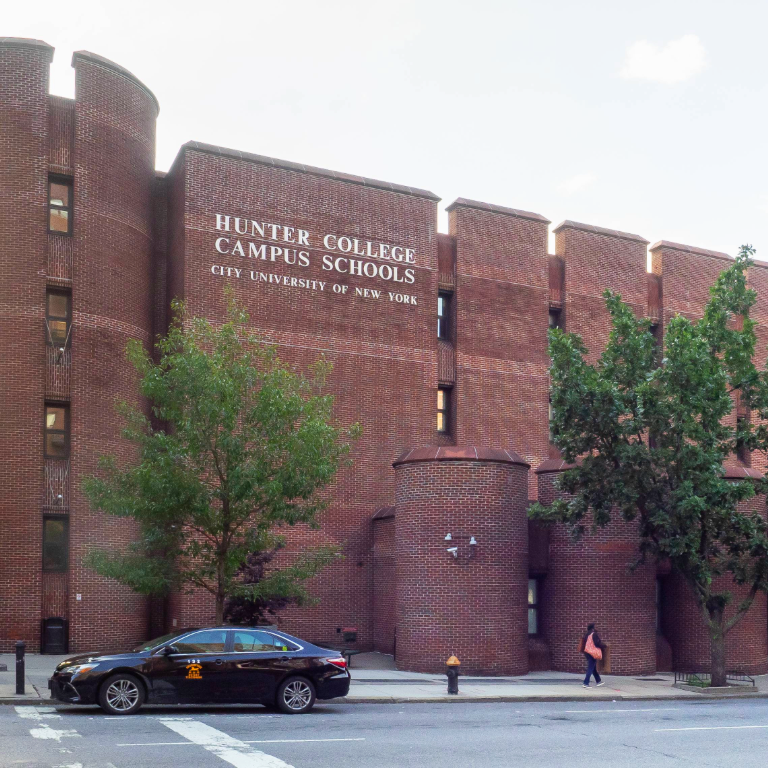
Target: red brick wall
[
  {"x": 23, "y": 249},
  {"x": 590, "y": 582},
  {"x": 383, "y": 353},
  {"x": 384, "y": 585},
  {"x": 596, "y": 259},
  {"x": 502, "y": 309},
  {"x": 683, "y": 624},
  {"x": 140, "y": 240},
  {"x": 472, "y": 608},
  {"x": 114, "y": 155}
]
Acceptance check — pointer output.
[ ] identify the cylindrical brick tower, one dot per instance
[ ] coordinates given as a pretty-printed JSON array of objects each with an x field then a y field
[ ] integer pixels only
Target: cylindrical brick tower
[
  {"x": 746, "y": 645},
  {"x": 471, "y": 602},
  {"x": 590, "y": 582},
  {"x": 24, "y": 66},
  {"x": 112, "y": 299}
]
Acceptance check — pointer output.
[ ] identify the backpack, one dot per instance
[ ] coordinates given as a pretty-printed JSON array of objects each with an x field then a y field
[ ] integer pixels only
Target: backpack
[{"x": 592, "y": 649}]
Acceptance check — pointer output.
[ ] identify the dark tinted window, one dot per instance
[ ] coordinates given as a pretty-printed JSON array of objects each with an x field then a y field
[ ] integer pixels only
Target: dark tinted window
[
  {"x": 55, "y": 543},
  {"x": 443, "y": 315},
  {"x": 205, "y": 641}
]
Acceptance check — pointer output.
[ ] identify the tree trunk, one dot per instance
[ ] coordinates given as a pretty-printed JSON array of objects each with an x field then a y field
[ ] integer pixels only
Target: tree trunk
[
  {"x": 219, "y": 609},
  {"x": 717, "y": 649}
]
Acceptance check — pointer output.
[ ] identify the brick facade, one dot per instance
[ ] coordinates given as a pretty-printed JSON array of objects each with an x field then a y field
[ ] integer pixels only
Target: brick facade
[
  {"x": 471, "y": 604},
  {"x": 334, "y": 265}
]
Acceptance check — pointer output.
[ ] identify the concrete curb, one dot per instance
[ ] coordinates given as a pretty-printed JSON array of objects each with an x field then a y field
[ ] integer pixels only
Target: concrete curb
[
  {"x": 532, "y": 699},
  {"x": 26, "y": 700}
]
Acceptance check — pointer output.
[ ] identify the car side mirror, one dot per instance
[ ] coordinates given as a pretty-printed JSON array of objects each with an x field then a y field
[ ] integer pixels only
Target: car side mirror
[{"x": 169, "y": 649}]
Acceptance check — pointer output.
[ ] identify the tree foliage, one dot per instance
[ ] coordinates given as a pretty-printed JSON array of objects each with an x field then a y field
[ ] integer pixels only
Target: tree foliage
[
  {"x": 648, "y": 439},
  {"x": 238, "y": 446}
]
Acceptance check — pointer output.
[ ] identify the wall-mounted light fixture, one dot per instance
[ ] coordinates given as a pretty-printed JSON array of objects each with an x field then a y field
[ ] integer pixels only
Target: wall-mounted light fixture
[{"x": 455, "y": 550}]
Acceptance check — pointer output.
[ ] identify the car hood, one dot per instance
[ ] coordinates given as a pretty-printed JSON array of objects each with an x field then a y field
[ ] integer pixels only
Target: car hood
[{"x": 100, "y": 657}]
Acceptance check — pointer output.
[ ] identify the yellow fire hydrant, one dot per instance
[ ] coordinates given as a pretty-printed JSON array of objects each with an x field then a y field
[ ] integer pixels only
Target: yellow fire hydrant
[{"x": 452, "y": 671}]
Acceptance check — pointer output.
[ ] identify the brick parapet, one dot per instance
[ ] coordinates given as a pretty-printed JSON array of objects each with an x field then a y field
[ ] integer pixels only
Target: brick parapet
[
  {"x": 501, "y": 354},
  {"x": 112, "y": 298}
]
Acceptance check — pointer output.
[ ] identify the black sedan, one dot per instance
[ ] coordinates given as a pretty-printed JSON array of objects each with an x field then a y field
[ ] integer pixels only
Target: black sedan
[{"x": 220, "y": 665}]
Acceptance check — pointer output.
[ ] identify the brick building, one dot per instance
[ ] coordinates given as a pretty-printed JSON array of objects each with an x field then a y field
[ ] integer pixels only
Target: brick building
[{"x": 438, "y": 343}]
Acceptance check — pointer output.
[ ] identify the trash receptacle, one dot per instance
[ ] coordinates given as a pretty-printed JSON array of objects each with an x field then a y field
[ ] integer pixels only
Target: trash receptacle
[{"x": 54, "y": 638}]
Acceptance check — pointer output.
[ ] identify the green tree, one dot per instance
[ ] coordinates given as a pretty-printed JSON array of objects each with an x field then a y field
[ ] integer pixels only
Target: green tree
[
  {"x": 648, "y": 439},
  {"x": 238, "y": 446}
]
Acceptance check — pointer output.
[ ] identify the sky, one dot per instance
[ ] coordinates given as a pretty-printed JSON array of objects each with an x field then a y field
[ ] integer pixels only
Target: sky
[{"x": 643, "y": 117}]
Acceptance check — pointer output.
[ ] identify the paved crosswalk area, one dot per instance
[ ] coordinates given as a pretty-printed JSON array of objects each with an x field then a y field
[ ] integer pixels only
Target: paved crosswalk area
[{"x": 343, "y": 735}]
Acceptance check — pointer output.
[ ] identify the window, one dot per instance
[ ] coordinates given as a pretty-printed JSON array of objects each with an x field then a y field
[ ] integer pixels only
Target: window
[
  {"x": 555, "y": 318},
  {"x": 55, "y": 543},
  {"x": 658, "y": 342},
  {"x": 58, "y": 317},
  {"x": 207, "y": 641},
  {"x": 60, "y": 205},
  {"x": 56, "y": 432},
  {"x": 551, "y": 415},
  {"x": 443, "y": 404},
  {"x": 443, "y": 315},
  {"x": 742, "y": 453},
  {"x": 533, "y": 606},
  {"x": 253, "y": 641}
]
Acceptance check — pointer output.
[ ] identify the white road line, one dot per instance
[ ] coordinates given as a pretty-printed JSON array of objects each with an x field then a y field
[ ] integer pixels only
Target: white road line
[
  {"x": 44, "y": 731},
  {"x": 229, "y": 749},
  {"x": 589, "y": 711},
  {"x": 245, "y": 741},
  {"x": 37, "y": 713},
  {"x": 712, "y": 728}
]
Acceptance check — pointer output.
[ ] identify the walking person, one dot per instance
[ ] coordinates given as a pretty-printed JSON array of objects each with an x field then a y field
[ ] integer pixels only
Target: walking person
[{"x": 592, "y": 648}]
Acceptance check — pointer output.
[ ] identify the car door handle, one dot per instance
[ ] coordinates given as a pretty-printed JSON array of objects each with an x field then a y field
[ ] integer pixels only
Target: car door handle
[{"x": 219, "y": 661}]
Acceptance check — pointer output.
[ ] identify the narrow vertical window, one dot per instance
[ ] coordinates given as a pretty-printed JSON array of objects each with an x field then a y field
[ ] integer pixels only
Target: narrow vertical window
[
  {"x": 56, "y": 432},
  {"x": 551, "y": 415},
  {"x": 533, "y": 606},
  {"x": 443, "y": 404},
  {"x": 742, "y": 454},
  {"x": 55, "y": 543},
  {"x": 443, "y": 315},
  {"x": 555, "y": 320},
  {"x": 60, "y": 205},
  {"x": 58, "y": 317}
]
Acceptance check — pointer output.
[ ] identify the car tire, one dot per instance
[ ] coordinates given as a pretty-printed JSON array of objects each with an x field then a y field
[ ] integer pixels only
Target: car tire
[
  {"x": 295, "y": 696},
  {"x": 121, "y": 695}
]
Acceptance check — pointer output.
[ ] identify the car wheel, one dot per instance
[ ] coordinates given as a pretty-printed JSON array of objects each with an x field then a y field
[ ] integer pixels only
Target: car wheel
[
  {"x": 295, "y": 696},
  {"x": 121, "y": 695}
]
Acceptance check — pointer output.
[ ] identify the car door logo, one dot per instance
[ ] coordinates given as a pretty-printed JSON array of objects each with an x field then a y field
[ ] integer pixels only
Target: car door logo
[{"x": 193, "y": 671}]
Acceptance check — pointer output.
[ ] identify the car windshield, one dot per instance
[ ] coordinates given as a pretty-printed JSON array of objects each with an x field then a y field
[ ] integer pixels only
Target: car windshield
[{"x": 150, "y": 644}]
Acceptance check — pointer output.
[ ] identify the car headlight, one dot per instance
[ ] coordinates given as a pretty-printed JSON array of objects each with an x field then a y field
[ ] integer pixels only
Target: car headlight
[{"x": 78, "y": 669}]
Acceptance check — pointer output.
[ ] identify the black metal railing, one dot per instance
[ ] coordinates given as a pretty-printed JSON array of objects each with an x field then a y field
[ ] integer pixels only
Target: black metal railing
[{"x": 704, "y": 679}]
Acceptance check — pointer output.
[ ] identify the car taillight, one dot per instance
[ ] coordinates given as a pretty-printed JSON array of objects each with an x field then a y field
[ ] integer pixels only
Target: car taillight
[{"x": 337, "y": 661}]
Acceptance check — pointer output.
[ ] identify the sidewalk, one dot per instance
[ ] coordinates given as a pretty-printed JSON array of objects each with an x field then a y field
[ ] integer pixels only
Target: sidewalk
[{"x": 375, "y": 680}]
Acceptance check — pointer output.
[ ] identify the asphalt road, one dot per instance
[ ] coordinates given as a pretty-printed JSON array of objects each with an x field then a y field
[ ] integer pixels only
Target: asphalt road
[{"x": 338, "y": 735}]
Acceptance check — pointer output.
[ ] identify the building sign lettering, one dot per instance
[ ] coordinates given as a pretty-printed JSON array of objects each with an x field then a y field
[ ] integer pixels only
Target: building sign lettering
[{"x": 277, "y": 243}]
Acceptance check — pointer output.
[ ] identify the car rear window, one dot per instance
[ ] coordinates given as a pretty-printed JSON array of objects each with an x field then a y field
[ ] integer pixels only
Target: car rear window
[{"x": 205, "y": 641}]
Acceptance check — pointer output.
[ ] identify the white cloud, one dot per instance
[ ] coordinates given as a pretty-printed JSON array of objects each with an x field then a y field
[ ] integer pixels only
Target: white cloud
[
  {"x": 674, "y": 62},
  {"x": 576, "y": 183}
]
